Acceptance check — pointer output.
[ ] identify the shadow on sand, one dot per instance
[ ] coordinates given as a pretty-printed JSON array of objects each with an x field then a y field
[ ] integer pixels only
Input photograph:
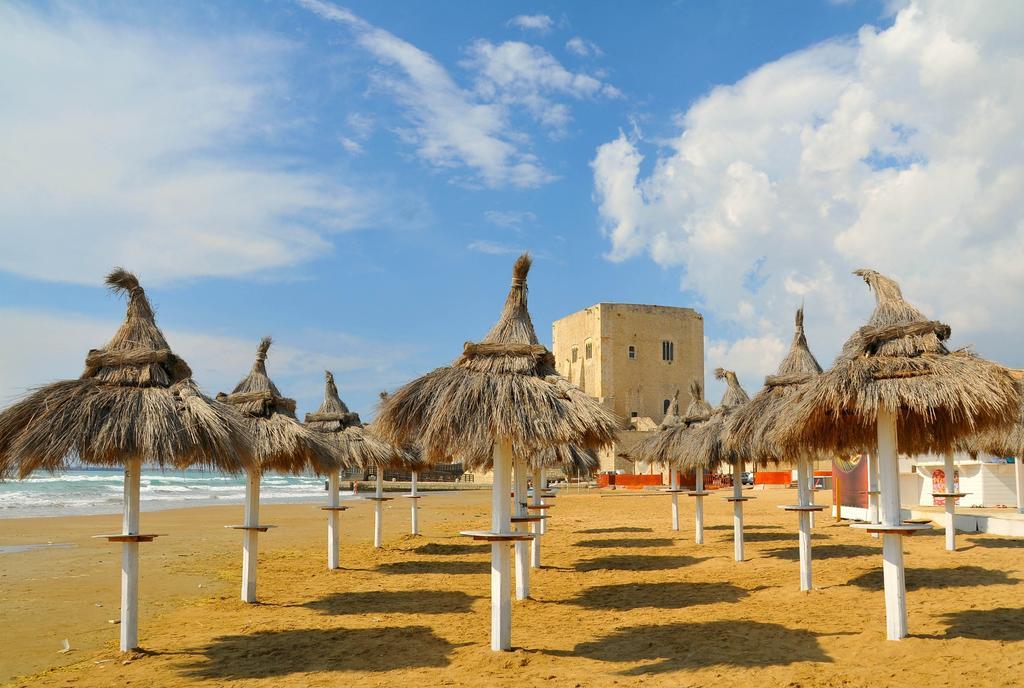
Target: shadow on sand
[
  {"x": 626, "y": 542},
  {"x": 746, "y": 526},
  {"x": 1002, "y": 624},
  {"x": 621, "y": 529},
  {"x": 958, "y": 577},
  {"x": 657, "y": 595},
  {"x": 639, "y": 562},
  {"x": 773, "y": 537},
  {"x": 998, "y": 542},
  {"x": 450, "y": 567},
  {"x": 825, "y": 552},
  {"x": 267, "y": 654},
  {"x": 674, "y": 647},
  {"x": 446, "y": 549},
  {"x": 393, "y": 601}
]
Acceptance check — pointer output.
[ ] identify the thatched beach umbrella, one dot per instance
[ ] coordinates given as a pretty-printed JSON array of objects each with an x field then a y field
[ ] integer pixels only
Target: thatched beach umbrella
[
  {"x": 280, "y": 443},
  {"x": 895, "y": 378},
  {"x": 500, "y": 393},
  {"x": 748, "y": 431},
  {"x": 135, "y": 402},
  {"x": 704, "y": 448},
  {"x": 649, "y": 451},
  {"x": 355, "y": 447}
]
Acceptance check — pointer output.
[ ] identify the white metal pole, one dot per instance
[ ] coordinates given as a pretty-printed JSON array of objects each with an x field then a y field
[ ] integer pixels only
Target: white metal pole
[
  {"x": 699, "y": 508},
  {"x": 415, "y": 502},
  {"x": 501, "y": 602},
  {"x": 378, "y": 512},
  {"x": 522, "y": 547},
  {"x": 250, "y": 535},
  {"x": 947, "y": 461},
  {"x": 873, "y": 503},
  {"x": 130, "y": 557},
  {"x": 333, "y": 517},
  {"x": 675, "y": 498},
  {"x": 543, "y": 489},
  {"x": 737, "y": 509},
  {"x": 1018, "y": 478},
  {"x": 892, "y": 545},
  {"x": 803, "y": 487},
  {"x": 538, "y": 526}
]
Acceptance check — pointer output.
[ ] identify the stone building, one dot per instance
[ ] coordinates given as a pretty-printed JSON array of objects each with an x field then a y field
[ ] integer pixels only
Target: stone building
[{"x": 632, "y": 358}]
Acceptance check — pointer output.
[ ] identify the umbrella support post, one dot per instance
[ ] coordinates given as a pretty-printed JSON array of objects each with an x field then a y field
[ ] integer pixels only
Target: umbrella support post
[
  {"x": 1018, "y": 479},
  {"x": 378, "y": 511},
  {"x": 333, "y": 520},
  {"x": 675, "y": 498},
  {"x": 737, "y": 510},
  {"x": 130, "y": 558},
  {"x": 892, "y": 544},
  {"x": 950, "y": 503},
  {"x": 501, "y": 602},
  {"x": 543, "y": 488},
  {"x": 699, "y": 508},
  {"x": 414, "y": 509},
  {"x": 803, "y": 482},
  {"x": 250, "y": 537},
  {"x": 522, "y": 548},
  {"x": 873, "y": 509},
  {"x": 538, "y": 527}
]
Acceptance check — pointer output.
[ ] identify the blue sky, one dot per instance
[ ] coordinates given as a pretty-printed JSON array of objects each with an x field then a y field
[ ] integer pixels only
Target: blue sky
[{"x": 355, "y": 179}]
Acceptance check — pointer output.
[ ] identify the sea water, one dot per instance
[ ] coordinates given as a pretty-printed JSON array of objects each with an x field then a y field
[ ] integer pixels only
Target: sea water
[{"x": 80, "y": 492}]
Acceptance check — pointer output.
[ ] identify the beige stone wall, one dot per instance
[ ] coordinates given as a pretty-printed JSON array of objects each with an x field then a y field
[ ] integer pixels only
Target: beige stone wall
[{"x": 627, "y": 385}]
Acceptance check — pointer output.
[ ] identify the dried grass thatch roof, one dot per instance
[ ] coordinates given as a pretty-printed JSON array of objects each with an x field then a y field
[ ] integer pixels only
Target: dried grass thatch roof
[
  {"x": 136, "y": 399},
  {"x": 649, "y": 449},
  {"x": 999, "y": 442},
  {"x": 667, "y": 444},
  {"x": 899, "y": 360},
  {"x": 748, "y": 428},
  {"x": 702, "y": 446},
  {"x": 505, "y": 387},
  {"x": 280, "y": 442},
  {"x": 567, "y": 458},
  {"x": 354, "y": 444}
]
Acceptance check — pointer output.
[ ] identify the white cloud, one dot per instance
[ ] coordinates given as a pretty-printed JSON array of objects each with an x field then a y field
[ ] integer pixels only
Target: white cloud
[
  {"x": 519, "y": 74},
  {"x": 124, "y": 145},
  {"x": 583, "y": 48},
  {"x": 350, "y": 145},
  {"x": 449, "y": 126},
  {"x": 541, "y": 23},
  {"x": 901, "y": 149},
  {"x": 493, "y": 248},
  {"x": 510, "y": 219},
  {"x": 44, "y": 346}
]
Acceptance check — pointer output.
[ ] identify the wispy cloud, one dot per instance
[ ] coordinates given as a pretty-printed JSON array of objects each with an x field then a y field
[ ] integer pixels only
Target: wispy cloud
[
  {"x": 509, "y": 219},
  {"x": 582, "y": 47},
  {"x": 449, "y": 126},
  {"x": 541, "y": 23},
  {"x": 125, "y": 144},
  {"x": 493, "y": 248}
]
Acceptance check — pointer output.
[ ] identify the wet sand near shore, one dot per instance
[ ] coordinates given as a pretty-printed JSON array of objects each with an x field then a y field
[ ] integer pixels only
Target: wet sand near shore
[{"x": 622, "y": 600}]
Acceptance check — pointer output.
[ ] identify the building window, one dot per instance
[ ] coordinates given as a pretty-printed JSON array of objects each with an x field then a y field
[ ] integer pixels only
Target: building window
[
  {"x": 632, "y": 352},
  {"x": 575, "y": 353},
  {"x": 633, "y": 414},
  {"x": 589, "y": 350},
  {"x": 665, "y": 405},
  {"x": 668, "y": 351}
]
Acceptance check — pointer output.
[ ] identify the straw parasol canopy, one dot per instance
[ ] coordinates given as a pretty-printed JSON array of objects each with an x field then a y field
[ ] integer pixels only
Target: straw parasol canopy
[
  {"x": 505, "y": 387},
  {"x": 354, "y": 444},
  {"x": 136, "y": 400},
  {"x": 663, "y": 446},
  {"x": 568, "y": 458},
  {"x": 703, "y": 447},
  {"x": 281, "y": 442},
  {"x": 899, "y": 360},
  {"x": 748, "y": 428}
]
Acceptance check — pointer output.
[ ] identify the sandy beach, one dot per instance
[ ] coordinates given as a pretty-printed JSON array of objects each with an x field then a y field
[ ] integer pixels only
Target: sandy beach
[{"x": 622, "y": 600}]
